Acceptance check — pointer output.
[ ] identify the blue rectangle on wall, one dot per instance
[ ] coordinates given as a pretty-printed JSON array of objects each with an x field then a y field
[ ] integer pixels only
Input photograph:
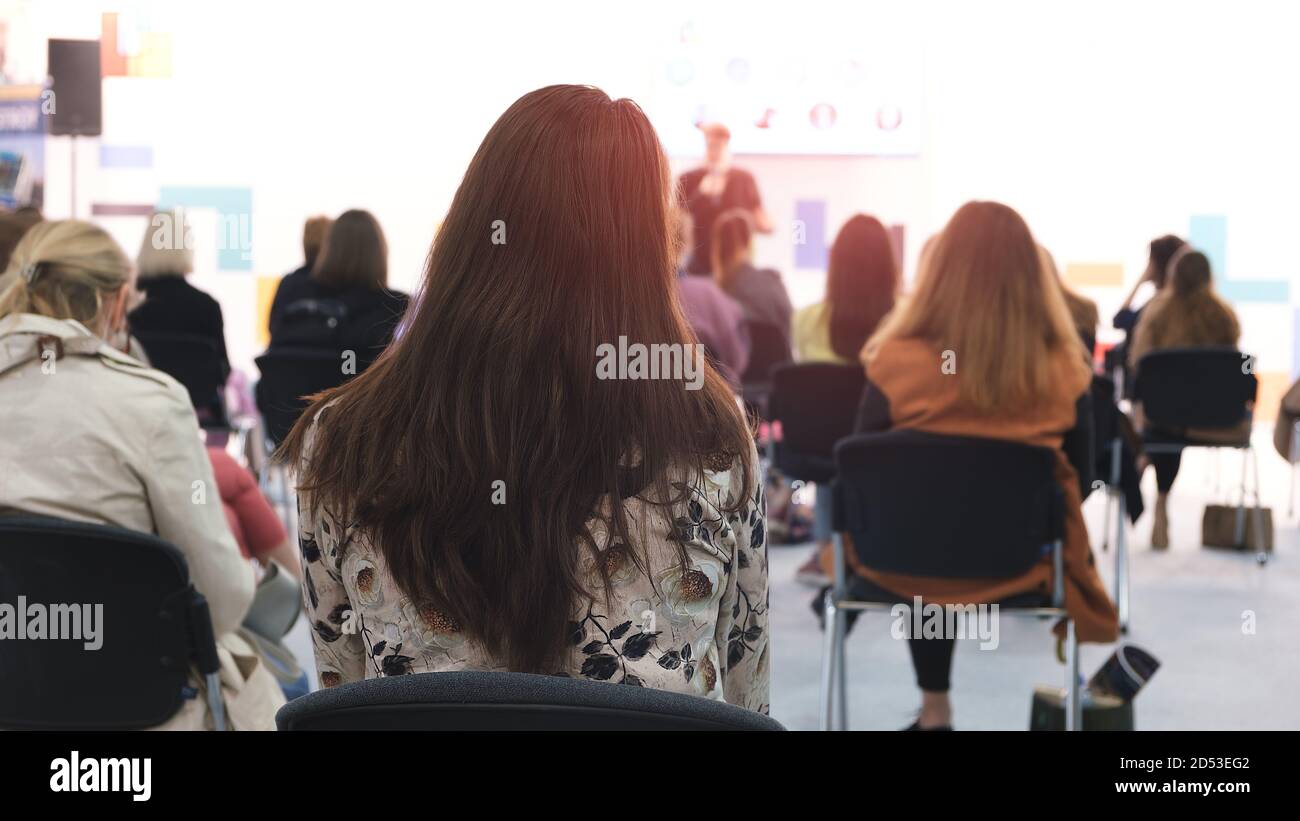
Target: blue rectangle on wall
[
  {"x": 810, "y": 234},
  {"x": 1277, "y": 291},
  {"x": 125, "y": 156},
  {"x": 1295, "y": 343}
]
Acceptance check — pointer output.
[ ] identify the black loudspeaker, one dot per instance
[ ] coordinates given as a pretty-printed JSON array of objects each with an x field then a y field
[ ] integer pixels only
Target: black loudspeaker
[{"x": 75, "y": 81}]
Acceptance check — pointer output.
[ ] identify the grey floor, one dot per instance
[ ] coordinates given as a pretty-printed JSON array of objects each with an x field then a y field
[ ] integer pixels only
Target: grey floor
[{"x": 1189, "y": 605}]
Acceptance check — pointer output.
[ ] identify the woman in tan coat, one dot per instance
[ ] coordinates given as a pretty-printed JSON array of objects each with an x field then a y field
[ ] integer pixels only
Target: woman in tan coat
[
  {"x": 92, "y": 435},
  {"x": 1186, "y": 313},
  {"x": 986, "y": 347}
]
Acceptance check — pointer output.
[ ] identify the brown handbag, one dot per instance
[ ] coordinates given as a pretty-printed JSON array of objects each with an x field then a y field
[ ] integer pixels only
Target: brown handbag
[{"x": 1219, "y": 528}]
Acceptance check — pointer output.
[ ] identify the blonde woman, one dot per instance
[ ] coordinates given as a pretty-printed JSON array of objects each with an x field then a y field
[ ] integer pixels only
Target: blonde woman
[
  {"x": 94, "y": 435},
  {"x": 171, "y": 304},
  {"x": 985, "y": 302}
]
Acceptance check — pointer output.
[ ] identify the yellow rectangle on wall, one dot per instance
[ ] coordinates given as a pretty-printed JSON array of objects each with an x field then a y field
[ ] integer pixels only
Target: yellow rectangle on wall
[
  {"x": 266, "y": 287},
  {"x": 1094, "y": 274}
]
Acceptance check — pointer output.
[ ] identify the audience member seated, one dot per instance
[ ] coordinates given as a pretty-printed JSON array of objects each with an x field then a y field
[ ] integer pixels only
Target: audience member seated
[
  {"x": 1160, "y": 253},
  {"x": 760, "y": 291},
  {"x": 861, "y": 286},
  {"x": 1186, "y": 313},
  {"x": 297, "y": 283},
  {"x": 1083, "y": 311},
  {"x": 171, "y": 304},
  {"x": 253, "y": 522},
  {"x": 985, "y": 347},
  {"x": 104, "y": 439},
  {"x": 12, "y": 228},
  {"x": 489, "y": 495},
  {"x": 345, "y": 305},
  {"x": 716, "y": 318}
]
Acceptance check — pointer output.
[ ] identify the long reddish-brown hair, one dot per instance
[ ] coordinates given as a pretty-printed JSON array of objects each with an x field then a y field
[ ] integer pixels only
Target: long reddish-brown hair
[{"x": 556, "y": 243}]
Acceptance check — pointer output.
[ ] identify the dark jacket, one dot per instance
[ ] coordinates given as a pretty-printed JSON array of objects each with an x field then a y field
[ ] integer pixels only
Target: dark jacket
[
  {"x": 763, "y": 298},
  {"x": 366, "y": 319},
  {"x": 173, "y": 306},
  {"x": 292, "y": 287}
]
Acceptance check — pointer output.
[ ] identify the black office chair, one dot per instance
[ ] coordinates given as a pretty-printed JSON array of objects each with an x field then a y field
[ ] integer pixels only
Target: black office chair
[
  {"x": 1205, "y": 388},
  {"x": 508, "y": 701},
  {"x": 198, "y": 364},
  {"x": 769, "y": 347},
  {"x": 289, "y": 375},
  {"x": 152, "y": 627},
  {"x": 816, "y": 404},
  {"x": 952, "y": 507}
]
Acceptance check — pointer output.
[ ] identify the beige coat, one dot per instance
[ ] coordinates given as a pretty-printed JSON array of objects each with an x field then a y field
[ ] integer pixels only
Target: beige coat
[{"x": 96, "y": 436}]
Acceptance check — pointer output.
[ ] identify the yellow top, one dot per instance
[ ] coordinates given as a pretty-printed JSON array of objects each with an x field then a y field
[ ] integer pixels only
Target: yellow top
[{"x": 812, "y": 336}]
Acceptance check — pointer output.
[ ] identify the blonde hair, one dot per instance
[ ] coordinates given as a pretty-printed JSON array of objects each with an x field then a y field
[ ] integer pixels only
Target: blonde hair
[
  {"x": 984, "y": 293},
  {"x": 167, "y": 248},
  {"x": 63, "y": 270}
]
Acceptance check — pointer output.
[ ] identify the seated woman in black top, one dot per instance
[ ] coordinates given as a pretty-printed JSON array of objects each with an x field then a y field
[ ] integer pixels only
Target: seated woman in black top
[
  {"x": 172, "y": 307},
  {"x": 313, "y": 237},
  {"x": 345, "y": 305},
  {"x": 1162, "y": 251}
]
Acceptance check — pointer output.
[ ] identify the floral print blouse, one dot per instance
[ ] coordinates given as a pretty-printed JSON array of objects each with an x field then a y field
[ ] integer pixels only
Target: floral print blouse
[{"x": 703, "y": 630}]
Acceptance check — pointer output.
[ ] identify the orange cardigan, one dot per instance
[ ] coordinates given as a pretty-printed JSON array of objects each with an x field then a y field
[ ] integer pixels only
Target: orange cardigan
[{"x": 921, "y": 397}]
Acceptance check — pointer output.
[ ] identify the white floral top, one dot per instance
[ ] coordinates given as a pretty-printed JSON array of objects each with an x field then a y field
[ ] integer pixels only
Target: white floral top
[{"x": 701, "y": 631}]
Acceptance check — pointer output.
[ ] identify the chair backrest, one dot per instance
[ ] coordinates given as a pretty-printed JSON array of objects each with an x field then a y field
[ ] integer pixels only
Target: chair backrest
[
  {"x": 151, "y": 626},
  {"x": 816, "y": 404},
  {"x": 1105, "y": 425},
  {"x": 289, "y": 375},
  {"x": 508, "y": 701},
  {"x": 194, "y": 361},
  {"x": 1195, "y": 387},
  {"x": 947, "y": 506},
  {"x": 769, "y": 346}
]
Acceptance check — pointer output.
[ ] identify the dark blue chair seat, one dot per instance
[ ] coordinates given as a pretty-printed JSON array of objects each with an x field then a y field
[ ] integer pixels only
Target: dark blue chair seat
[{"x": 472, "y": 700}]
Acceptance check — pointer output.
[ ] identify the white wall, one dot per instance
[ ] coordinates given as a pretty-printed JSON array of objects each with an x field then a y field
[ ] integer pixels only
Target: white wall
[{"x": 1104, "y": 123}]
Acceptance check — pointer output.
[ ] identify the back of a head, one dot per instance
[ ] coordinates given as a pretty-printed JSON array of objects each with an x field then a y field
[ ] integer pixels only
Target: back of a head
[
  {"x": 1191, "y": 313},
  {"x": 1191, "y": 274},
  {"x": 313, "y": 237},
  {"x": 167, "y": 248},
  {"x": 1083, "y": 311},
  {"x": 556, "y": 246},
  {"x": 1161, "y": 253},
  {"x": 355, "y": 254},
  {"x": 28, "y": 215},
  {"x": 861, "y": 283},
  {"x": 64, "y": 269},
  {"x": 12, "y": 228},
  {"x": 733, "y": 232},
  {"x": 984, "y": 294}
]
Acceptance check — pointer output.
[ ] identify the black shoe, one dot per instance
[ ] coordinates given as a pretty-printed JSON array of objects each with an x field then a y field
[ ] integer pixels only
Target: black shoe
[{"x": 916, "y": 726}]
